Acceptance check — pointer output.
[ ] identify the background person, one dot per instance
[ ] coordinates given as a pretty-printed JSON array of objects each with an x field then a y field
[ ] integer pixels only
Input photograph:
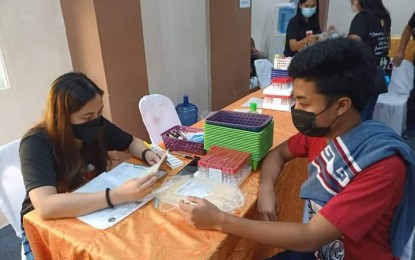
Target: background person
[
  {"x": 371, "y": 25},
  {"x": 69, "y": 147},
  {"x": 361, "y": 174},
  {"x": 306, "y": 19},
  {"x": 409, "y": 29}
]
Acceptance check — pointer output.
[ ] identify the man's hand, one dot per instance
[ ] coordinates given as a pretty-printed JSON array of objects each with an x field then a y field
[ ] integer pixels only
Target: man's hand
[
  {"x": 398, "y": 59},
  {"x": 201, "y": 213},
  {"x": 267, "y": 202}
]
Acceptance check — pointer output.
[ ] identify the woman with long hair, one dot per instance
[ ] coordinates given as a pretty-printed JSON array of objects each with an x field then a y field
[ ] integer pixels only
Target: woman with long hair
[
  {"x": 371, "y": 25},
  {"x": 69, "y": 147},
  {"x": 306, "y": 20},
  {"x": 376, "y": 8}
]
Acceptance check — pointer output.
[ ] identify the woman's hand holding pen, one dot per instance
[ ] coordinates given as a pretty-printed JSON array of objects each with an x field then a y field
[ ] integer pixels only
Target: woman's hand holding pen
[{"x": 133, "y": 190}]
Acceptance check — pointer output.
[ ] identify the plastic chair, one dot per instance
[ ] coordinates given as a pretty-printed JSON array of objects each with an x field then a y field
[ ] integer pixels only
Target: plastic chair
[
  {"x": 390, "y": 107},
  {"x": 12, "y": 189},
  {"x": 158, "y": 114},
  {"x": 263, "y": 71}
]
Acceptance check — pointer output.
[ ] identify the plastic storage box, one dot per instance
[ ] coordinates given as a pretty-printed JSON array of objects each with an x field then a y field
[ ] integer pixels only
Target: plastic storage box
[
  {"x": 239, "y": 120},
  {"x": 282, "y": 63},
  {"x": 175, "y": 144},
  {"x": 278, "y": 73},
  {"x": 278, "y": 98},
  {"x": 282, "y": 82},
  {"x": 225, "y": 165},
  {"x": 256, "y": 143}
]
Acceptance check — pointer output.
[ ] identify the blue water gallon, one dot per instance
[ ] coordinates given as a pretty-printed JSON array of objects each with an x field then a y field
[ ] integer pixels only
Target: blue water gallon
[
  {"x": 187, "y": 112},
  {"x": 286, "y": 12}
]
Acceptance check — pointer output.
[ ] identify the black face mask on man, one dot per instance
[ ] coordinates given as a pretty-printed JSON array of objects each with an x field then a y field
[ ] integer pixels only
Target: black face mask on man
[
  {"x": 88, "y": 131},
  {"x": 305, "y": 122}
]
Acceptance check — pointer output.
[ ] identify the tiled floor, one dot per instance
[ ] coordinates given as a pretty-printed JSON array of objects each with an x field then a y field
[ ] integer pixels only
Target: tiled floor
[
  {"x": 3, "y": 220},
  {"x": 10, "y": 244}
]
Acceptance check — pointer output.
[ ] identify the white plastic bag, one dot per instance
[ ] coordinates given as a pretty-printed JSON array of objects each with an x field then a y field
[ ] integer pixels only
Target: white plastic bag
[{"x": 224, "y": 196}]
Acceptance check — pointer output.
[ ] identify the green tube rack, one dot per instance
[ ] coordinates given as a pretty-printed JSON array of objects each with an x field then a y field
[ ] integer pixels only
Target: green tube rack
[{"x": 256, "y": 143}]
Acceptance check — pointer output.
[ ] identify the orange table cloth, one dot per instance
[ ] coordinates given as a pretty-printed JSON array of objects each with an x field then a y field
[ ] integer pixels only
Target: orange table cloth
[{"x": 149, "y": 233}]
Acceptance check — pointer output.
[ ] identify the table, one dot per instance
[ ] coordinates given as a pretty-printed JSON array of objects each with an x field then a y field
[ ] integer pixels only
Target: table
[
  {"x": 149, "y": 233},
  {"x": 409, "y": 51}
]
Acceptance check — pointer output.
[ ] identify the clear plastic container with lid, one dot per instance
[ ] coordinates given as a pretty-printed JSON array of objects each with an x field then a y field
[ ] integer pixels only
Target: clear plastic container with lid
[
  {"x": 188, "y": 112},
  {"x": 225, "y": 165}
]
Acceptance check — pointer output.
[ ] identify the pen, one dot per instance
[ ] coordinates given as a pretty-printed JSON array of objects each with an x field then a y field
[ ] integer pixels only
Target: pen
[
  {"x": 136, "y": 165},
  {"x": 185, "y": 155},
  {"x": 173, "y": 135},
  {"x": 182, "y": 135}
]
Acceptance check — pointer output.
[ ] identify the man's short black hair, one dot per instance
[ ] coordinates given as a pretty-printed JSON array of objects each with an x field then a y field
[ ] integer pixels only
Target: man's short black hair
[{"x": 339, "y": 67}]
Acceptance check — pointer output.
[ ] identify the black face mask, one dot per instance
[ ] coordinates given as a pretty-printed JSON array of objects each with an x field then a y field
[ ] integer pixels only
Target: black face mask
[
  {"x": 305, "y": 122},
  {"x": 88, "y": 131}
]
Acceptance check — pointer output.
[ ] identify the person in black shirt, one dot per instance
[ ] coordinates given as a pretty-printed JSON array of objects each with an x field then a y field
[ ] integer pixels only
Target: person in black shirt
[
  {"x": 69, "y": 147},
  {"x": 409, "y": 29},
  {"x": 305, "y": 20},
  {"x": 371, "y": 25}
]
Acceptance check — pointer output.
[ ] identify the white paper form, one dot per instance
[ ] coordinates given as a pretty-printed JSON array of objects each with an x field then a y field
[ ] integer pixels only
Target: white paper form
[{"x": 108, "y": 217}]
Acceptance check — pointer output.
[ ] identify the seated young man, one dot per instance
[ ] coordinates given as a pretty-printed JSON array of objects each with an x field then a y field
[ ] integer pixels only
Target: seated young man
[{"x": 360, "y": 189}]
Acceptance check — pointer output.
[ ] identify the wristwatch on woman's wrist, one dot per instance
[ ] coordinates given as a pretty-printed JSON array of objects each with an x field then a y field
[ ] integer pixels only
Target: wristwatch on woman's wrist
[{"x": 143, "y": 155}]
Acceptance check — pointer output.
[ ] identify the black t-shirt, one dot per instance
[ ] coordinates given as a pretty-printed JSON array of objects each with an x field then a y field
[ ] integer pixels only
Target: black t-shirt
[
  {"x": 373, "y": 32},
  {"x": 411, "y": 21},
  {"x": 297, "y": 28},
  {"x": 38, "y": 164}
]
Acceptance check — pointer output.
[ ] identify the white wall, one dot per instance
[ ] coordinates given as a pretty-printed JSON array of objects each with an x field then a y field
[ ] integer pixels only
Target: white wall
[
  {"x": 34, "y": 46},
  {"x": 341, "y": 14},
  {"x": 35, "y": 51},
  {"x": 176, "y": 48}
]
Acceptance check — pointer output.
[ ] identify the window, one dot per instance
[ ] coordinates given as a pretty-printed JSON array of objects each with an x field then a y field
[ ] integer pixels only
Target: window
[{"x": 4, "y": 82}]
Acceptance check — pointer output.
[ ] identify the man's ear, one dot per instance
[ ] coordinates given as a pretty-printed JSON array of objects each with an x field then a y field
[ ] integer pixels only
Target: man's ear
[{"x": 343, "y": 105}]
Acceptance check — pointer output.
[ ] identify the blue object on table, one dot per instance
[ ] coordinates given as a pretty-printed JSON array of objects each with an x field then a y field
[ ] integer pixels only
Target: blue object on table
[
  {"x": 387, "y": 80},
  {"x": 198, "y": 138},
  {"x": 187, "y": 112}
]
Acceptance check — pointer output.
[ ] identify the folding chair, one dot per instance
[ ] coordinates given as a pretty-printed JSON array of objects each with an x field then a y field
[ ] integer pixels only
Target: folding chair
[
  {"x": 12, "y": 189},
  {"x": 390, "y": 107},
  {"x": 263, "y": 71},
  {"x": 158, "y": 114}
]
